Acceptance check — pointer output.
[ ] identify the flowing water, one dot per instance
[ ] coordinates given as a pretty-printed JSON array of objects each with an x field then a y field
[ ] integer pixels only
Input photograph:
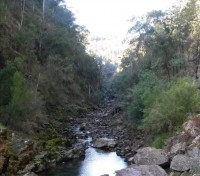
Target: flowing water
[{"x": 96, "y": 163}]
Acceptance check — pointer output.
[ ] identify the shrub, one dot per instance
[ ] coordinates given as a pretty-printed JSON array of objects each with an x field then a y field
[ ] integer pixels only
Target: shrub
[
  {"x": 142, "y": 95},
  {"x": 159, "y": 140},
  {"x": 97, "y": 96},
  {"x": 6, "y": 76},
  {"x": 124, "y": 80},
  {"x": 18, "y": 104},
  {"x": 171, "y": 106}
]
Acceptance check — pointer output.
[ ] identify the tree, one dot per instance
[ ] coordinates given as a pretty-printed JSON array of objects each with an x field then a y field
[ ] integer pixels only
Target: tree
[{"x": 22, "y": 12}]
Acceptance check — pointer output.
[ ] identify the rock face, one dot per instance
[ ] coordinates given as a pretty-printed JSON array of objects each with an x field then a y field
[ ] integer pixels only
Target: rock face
[
  {"x": 142, "y": 170},
  {"x": 149, "y": 156},
  {"x": 104, "y": 143},
  {"x": 180, "y": 163}
]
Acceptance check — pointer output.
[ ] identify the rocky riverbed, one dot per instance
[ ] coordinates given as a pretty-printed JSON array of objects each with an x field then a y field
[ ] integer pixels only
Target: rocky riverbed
[
  {"x": 106, "y": 128},
  {"x": 109, "y": 132}
]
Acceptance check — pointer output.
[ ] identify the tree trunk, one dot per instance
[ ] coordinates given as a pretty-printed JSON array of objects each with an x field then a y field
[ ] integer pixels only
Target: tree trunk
[
  {"x": 89, "y": 90},
  {"x": 22, "y": 12},
  {"x": 33, "y": 6},
  {"x": 196, "y": 71},
  {"x": 43, "y": 9}
]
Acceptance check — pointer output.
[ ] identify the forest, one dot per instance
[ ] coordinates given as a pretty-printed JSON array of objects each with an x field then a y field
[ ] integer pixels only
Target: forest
[
  {"x": 160, "y": 70},
  {"x": 59, "y": 102},
  {"x": 45, "y": 72}
]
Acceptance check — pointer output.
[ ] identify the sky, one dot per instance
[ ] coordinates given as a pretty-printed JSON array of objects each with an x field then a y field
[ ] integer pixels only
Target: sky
[{"x": 110, "y": 19}]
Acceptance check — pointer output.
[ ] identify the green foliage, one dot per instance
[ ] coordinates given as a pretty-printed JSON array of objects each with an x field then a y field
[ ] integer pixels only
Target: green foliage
[
  {"x": 154, "y": 81},
  {"x": 159, "y": 140},
  {"x": 171, "y": 106},
  {"x": 161, "y": 107},
  {"x": 124, "y": 80},
  {"x": 97, "y": 96},
  {"x": 44, "y": 68},
  {"x": 147, "y": 86},
  {"x": 18, "y": 104},
  {"x": 6, "y": 79}
]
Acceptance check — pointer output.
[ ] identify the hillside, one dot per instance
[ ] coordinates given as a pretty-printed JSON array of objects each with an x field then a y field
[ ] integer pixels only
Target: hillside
[{"x": 45, "y": 71}]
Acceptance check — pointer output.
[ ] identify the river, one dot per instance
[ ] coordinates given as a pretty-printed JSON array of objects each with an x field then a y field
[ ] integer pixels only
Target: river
[{"x": 97, "y": 162}]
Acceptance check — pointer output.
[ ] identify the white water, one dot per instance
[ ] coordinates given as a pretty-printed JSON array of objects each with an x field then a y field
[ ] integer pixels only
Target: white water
[{"x": 98, "y": 162}]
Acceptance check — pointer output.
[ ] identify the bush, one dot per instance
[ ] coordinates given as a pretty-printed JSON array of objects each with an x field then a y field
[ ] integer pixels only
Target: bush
[
  {"x": 142, "y": 95},
  {"x": 170, "y": 108},
  {"x": 97, "y": 96},
  {"x": 18, "y": 104},
  {"x": 6, "y": 76},
  {"x": 159, "y": 140},
  {"x": 124, "y": 80}
]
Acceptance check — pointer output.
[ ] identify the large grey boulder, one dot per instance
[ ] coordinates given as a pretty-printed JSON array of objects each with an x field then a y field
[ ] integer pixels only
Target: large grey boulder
[
  {"x": 142, "y": 170},
  {"x": 104, "y": 143},
  {"x": 194, "y": 155},
  {"x": 151, "y": 156},
  {"x": 180, "y": 163}
]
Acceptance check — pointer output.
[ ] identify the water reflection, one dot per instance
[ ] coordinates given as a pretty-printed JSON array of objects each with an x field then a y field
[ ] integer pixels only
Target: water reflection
[{"x": 98, "y": 162}]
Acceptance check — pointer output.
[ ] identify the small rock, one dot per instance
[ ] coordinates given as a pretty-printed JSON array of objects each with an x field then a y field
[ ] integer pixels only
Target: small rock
[
  {"x": 131, "y": 160},
  {"x": 29, "y": 168},
  {"x": 83, "y": 127},
  {"x": 41, "y": 155},
  {"x": 104, "y": 143},
  {"x": 180, "y": 163}
]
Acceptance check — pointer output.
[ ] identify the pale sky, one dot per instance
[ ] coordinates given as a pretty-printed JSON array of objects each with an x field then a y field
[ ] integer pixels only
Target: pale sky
[{"x": 111, "y": 18}]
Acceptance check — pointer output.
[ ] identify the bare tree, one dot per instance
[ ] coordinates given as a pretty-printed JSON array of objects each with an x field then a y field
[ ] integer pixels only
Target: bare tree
[
  {"x": 22, "y": 12},
  {"x": 43, "y": 9}
]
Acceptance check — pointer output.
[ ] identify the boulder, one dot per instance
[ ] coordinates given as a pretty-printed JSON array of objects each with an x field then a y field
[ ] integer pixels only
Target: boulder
[
  {"x": 142, "y": 170},
  {"x": 180, "y": 163},
  {"x": 177, "y": 143},
  {"x": 178, "y": 148},
  {"x": 192, "y": 127},
  {"x": 149, "y": 156},
  {"x": 104, "y": 143},
  {"x": 194, "y": 155}
]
